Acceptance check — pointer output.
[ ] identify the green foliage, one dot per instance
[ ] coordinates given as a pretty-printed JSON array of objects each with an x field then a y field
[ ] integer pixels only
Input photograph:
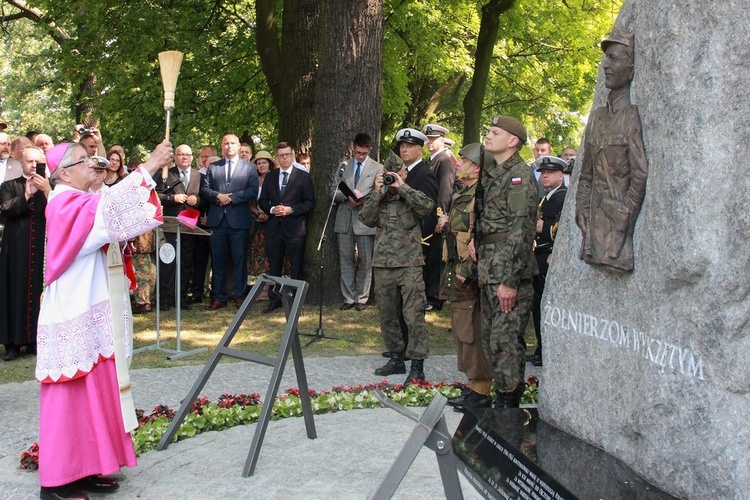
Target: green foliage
[
  {"x": 546, "y": 61},
  {"x": 31, "y": 89}
]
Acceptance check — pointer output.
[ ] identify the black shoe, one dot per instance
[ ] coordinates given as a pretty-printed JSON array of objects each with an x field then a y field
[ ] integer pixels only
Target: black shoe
[
  {"x": 360, "y": 307},
  {"x": 96, "y": 484},
  {"x": 510, "y": 399},
  {"x": 165, "y": 307},
  {"x": 416, "y": 372},
  {"x": 346, "y": 306},
  {"x": 61, "y": 493},
  {"x": 434, "y": 305},
  {"x": 11, "y": 353},
  {"x": 185, "y": 305},
  {"x": 460, "y": 398},
  {"x": 534, "y": 359},
  {"x": 272, "y": 306},
  {"x": 31, "y": 350},
  {"x": 394, "y": 366},
  {"x": 474, "y": 400},
  {"x": 195, "y": 299}
]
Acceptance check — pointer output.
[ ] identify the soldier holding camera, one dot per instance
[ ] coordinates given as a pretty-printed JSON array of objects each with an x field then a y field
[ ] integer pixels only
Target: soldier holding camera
[{"x": 397, "y": 211}]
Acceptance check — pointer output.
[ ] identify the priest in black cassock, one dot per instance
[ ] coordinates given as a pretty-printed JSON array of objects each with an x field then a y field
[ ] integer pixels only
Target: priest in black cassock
[{"x": 22, "y": 203}]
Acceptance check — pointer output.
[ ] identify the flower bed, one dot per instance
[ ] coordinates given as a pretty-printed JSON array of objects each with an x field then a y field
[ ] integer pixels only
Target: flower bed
[{"x": 241, "y": 409}]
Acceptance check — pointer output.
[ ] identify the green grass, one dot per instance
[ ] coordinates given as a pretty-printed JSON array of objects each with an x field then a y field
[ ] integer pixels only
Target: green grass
[{"x": 358, "y": 333}]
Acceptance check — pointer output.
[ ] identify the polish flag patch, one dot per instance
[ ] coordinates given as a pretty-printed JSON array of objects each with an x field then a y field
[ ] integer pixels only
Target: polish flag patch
[{"x": 515, "y": 181}]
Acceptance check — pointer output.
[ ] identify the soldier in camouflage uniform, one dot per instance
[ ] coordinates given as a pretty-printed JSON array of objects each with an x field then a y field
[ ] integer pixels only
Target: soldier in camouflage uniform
[
  {"x": 505, "y": 259},
  {"x": 144, "y": 247},
  {"x": 397, "y": 269},
  {"x": 461, "y": 284}
]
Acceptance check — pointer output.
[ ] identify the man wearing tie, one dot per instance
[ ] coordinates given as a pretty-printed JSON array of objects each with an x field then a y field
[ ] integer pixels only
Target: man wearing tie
[
  {"x": 180, "y": 190},
  {"x": 359, "y": 174},
  {"x": 287, "y": 196},
  {"x": 229, "y": 186}
]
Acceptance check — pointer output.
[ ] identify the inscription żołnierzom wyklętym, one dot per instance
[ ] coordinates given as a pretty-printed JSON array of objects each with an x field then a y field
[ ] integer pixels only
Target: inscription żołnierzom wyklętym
[{"x": 664, "y": 354}]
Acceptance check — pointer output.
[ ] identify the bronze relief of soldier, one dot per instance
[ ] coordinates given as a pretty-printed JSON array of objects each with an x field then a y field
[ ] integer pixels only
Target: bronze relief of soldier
[{"x": 614, "y": 167}]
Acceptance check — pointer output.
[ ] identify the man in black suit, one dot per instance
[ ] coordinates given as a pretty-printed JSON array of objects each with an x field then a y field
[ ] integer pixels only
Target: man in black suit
[
  {"x": 180, "y": 191},
  {"x": 441, "y": 164},
  {"x": 287, "y": 197},
  {"x": 420, "y": 177},
  {"x": 550, "y": 170},
  {"x": 229, "y": 186}
]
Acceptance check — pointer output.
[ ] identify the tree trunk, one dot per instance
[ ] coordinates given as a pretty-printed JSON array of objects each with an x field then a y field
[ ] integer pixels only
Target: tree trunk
[
  {"x": 290, "y": 66},
  {"x": 347, "y": 103},
  {"x": 300, "y": 34},
  {"x": 488, "y": 31}
]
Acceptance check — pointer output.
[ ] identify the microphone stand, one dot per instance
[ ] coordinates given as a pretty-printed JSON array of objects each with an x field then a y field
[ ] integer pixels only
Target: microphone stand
[{"x": 319, "y": 334}]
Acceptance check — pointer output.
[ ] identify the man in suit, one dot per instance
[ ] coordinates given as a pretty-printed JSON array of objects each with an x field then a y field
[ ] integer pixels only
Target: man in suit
[
  {"x": 441, "y": 164},
  {"x": 9, "y": 168},
  {"x": 359, "y": 174},
  {"x": 420, "y": 177},
  {"x": 229, "y": 186},
  {"x": 180, "y": 191},
  {"x": 287, "y": 197},
  {"x": 202, "y": 248}
]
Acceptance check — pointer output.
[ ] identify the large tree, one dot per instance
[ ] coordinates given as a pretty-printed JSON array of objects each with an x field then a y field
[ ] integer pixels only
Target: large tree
[{"x": 347, "y": 101}]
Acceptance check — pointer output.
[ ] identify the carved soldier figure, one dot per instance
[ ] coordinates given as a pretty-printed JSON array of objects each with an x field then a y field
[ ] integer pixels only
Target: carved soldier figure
[{"x": 614, "y": 168}]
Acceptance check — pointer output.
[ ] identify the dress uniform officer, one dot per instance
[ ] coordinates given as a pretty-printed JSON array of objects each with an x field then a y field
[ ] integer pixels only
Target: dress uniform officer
[{"x": 550, "y": 170}]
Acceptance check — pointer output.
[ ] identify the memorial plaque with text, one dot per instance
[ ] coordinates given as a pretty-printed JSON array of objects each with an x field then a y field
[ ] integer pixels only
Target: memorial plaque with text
[{"x": 512, "y": 454}]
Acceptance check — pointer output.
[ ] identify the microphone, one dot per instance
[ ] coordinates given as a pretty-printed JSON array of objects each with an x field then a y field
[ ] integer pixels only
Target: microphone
[
  {"x": 341, "y": 170},
  {"x": 169, "y": 188}
]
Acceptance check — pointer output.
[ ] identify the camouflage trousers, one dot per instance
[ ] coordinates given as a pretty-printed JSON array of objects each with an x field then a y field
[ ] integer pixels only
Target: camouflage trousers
[
  {"x": 393, "y": 287},
  {"x": 502, "y": 335},
  {"x": 145, "y": 277}
]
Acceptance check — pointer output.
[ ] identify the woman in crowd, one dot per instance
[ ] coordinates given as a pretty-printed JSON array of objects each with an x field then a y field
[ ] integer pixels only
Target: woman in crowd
[
  {"x": 257, "y": 261},
  {"x": 116, "y": 169}
]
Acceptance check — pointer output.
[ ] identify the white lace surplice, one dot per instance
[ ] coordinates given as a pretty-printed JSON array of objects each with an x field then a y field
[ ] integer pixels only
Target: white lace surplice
[{"x": 75, "y": 320}]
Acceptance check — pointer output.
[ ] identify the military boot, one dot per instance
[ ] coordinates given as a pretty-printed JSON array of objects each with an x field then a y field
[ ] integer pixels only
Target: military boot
[
  {"x": 416, "y": 372},
  {"x": 393, "y": 366},
  {"x": 510, "y": 399}
]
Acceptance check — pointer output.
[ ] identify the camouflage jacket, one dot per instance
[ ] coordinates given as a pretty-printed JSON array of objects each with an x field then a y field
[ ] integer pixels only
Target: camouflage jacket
[
  {"x": 398, "y": 239},
  {"x": 460, "y": 226},
  {"x": 505, "y": 255}
]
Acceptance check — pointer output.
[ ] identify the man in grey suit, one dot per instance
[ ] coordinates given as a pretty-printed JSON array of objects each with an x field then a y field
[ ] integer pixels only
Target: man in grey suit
[
  {"x": 9, "y": 168},
  {"x": 359, "y": 174},
  {"x": 229, "y": 186}
]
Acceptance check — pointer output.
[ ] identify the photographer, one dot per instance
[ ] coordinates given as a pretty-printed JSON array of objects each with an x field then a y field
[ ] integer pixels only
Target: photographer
[{"x": 397, "y": 262}]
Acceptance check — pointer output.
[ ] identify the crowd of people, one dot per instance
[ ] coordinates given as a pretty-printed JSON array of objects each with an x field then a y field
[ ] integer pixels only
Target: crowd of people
[
  {"x": 476, "y": 231},
  {"x": 255, "y": 204}
]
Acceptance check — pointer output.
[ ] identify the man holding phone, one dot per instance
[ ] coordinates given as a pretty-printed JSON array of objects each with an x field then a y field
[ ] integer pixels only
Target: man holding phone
[{"x": 22, "y": 203}]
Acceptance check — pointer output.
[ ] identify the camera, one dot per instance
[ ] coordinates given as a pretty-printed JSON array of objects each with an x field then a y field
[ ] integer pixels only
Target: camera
[
  {"x": 83, "y": 129},
  {"x": 389, "y": 179}
]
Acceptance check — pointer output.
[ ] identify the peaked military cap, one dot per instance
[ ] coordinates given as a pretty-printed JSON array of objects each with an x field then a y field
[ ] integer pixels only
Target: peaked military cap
[
  {"x": 432, "y": 130},
  {"x": 511, "y": 125},
  {"x": 449, "y": 142},
  {"x": 550, "y": 163},
  {"x": 411, "y": 136},
  {"x": 618, "y": 35}
]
